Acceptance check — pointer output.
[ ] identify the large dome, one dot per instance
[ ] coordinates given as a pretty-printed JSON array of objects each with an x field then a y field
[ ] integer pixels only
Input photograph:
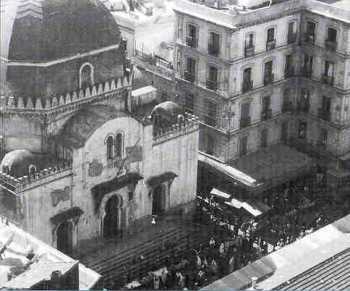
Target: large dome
[
  {"x": 44, "y": 30},
  {"x": 43, "y": 43}
]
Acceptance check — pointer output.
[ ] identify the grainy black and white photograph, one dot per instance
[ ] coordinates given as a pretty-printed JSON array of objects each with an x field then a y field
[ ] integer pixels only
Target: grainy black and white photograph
[{"x": 175, "y": 145}]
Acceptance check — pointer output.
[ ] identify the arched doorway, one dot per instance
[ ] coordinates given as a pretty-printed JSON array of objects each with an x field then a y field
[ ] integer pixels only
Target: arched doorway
[
  {"x": 65, "y": 237},
  {"x": 159, "y": 200},
  {"x": 111, "y": 220}
]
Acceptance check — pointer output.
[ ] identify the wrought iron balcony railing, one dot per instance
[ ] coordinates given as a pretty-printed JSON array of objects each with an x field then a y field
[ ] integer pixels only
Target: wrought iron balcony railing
[
  {"x": 212, "y": 85},
  {"x": 328, "y": 80},
  {"x": 247, "y": 85},
  {"x": 331, "y": 45},
  {"x": 292, "y": 37},
  {"x": 192, "y": 42},
  {"x": 244, "y": 122},
  {"x": 287, "y": 106},
  {"x": 268, "y": 79},
  {"x": 306, "y": 72},
  {"x": 270, "y": 45},
  {"x": 324, "y": 114},
  {"x": 249, "y": 51},
  {"x": 289, "y": 72},
  {"x": 189, "y": 76},
  {"x": 213, "y": 50},
  {"x": 309, "y": 38},
  {"x": 266, "y": 114}
]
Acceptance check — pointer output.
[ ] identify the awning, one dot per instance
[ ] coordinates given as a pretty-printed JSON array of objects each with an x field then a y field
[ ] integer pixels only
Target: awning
[
  {"x": 67, "y": 214},
  {"x": 254, "y": 208},
  {"x": 274, "y": 165},
  {"x": 104, "y": 188},
  {"x": 228, "y": 171},
  {"x": 220, "y": 194},
  {"x": 156, "y": 180}
]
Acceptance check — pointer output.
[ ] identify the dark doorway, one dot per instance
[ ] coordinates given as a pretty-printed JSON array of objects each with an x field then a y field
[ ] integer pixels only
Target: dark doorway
[
  {"x": 65, "y": 237},
  {"x": 111, "y": 225},
  {"x": 159, "y": 197}
]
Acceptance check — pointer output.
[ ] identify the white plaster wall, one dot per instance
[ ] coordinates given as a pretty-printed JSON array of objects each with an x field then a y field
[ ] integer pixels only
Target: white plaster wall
[{"x": 38, "y": 207}]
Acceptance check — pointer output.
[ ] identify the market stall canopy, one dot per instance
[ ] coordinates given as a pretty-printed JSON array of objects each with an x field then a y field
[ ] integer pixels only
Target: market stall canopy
[
  {"x": 254, "y": 208},
  {"x": 217, "y": 193},
  {"x": 227, "y": 170},
  {"x": 274, "y": 165}
]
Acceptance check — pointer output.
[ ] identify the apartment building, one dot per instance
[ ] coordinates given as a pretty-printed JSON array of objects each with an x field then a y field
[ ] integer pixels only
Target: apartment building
[{"x": 266, "y": 72}]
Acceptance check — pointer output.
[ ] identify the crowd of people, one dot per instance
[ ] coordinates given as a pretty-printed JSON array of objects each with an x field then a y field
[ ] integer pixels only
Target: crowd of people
[
  {"x": 296, "y": 209},
  {"x": 199, "y": 267}
]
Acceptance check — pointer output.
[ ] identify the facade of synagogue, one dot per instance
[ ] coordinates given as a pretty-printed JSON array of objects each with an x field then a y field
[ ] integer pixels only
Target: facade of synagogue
[{"x": 80, "y": 159}]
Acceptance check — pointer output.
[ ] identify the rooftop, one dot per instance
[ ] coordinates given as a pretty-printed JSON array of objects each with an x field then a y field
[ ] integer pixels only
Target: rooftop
[
  {"x": 273, "y": 165},
  {"x": 319, "y": 261},
  {"x": 341, "y": 4},
  {"x": 235, "y": 13},
  {"x": 27, "y": 261}
]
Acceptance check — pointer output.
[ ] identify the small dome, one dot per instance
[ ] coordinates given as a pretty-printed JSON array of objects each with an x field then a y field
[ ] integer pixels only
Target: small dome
[
  {"x": 167, "y": 108},
  {"x": 17, "y": 162}
]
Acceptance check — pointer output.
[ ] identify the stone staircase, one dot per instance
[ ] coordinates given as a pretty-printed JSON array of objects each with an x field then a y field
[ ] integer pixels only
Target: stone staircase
[{"x": 120, "y": 262}]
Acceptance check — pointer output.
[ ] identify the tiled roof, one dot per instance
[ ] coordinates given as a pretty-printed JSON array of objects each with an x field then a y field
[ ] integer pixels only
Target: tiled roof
[{"x": 332, "y": 274}]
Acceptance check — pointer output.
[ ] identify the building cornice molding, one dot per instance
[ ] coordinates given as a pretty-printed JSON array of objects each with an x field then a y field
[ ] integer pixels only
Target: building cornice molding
[{"x": 57, "y": 61}]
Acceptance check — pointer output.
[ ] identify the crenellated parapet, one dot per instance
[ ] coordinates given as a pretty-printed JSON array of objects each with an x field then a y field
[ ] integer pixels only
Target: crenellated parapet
[
  {"x": 188, "y": 124},
  {"x": 48, "y": 105},
  {"x": 17, "y": 185}
]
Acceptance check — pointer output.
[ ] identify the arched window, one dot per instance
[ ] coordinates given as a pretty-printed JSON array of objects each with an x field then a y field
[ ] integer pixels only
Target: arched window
[
  {"x": 109, "y": 143},
  {"x": 86, "y": 75},
  {"x": 119, "y": 145}
]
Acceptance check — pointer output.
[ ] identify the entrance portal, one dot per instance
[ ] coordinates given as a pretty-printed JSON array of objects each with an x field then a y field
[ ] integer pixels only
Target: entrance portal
[
  {"x": 111, "y": 221},
  {"x": 65, "y": 237},
  {"x": 159, "y": 200}
]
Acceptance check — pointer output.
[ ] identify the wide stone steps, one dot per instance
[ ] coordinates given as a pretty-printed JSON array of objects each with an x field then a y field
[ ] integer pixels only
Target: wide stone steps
[{"x": 114, "y": 264}]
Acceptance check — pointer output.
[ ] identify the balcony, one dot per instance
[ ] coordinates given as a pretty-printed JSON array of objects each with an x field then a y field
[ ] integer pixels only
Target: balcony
[
  {"x": 210, "y": 121},
  {"x": 287, "y": 106},
  {"x": 324, "y": 114},
  {"x": 292, "y": 38},
  {"x": 289, "y": 72},
  {"x": 306, "y": 72},
  {"x": 189, "y": 76},
  {"x": 328, "y": 80},
  {"x": 244, "y": 122},
  {"x": 309, "y": 38},
  {"x": 331, "y": 45},
  {"x": 213, "y": 50},
  {"x": 268, "y": 79},
  {"x": 270, "y": 45},
  {"x": 303, "y": 107},
  {"x": 247, "y": 85},
  {"x": 192, "y": 42},
  {"x": 249, "y": 51},
  {"x": 266, "y": 114},
  {"x": 212, "y": 85}
]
